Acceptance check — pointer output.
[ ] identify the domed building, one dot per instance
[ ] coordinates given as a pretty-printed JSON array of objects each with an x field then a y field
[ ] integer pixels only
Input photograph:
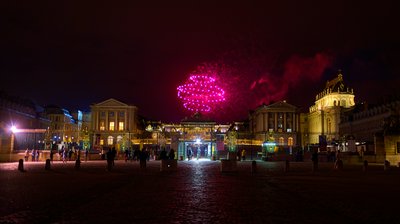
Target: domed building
[{"x": 324, "y": 115}]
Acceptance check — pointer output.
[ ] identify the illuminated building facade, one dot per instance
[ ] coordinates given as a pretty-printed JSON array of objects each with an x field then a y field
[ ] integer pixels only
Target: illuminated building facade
[
  {"x": 114, "y": 124},
  {"x": 198, "y": 137},
  {"x": 27, "y": 118},
  {"x": 64, "y": 129},
  {"x": 324, "y": 115},
  {"x": 376, "y": 130},
  {"x": 277, "y": 123}
]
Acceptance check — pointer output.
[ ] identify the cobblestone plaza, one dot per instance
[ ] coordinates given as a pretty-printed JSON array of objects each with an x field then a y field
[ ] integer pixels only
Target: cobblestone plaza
[{"x": 197, "y": 193}]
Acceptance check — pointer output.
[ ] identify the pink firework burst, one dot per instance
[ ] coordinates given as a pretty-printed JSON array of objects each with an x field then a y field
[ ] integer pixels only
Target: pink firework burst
[{"x": 200, "y": 93}]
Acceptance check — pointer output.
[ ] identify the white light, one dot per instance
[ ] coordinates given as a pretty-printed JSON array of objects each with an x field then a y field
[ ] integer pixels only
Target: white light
[
  {"x": 13, "y": 129},
  {"x": 198, "y": 141}
]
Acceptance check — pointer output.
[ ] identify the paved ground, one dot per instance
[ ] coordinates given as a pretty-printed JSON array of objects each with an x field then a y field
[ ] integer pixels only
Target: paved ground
[{"x": 197, "y": 193}]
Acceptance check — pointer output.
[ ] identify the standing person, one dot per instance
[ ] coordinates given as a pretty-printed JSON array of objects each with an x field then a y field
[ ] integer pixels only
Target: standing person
[
  {"x": 69, "y": 154},
  {"x": 113, "y": 155},
  {"x": 64, "y": 155},
  {"x": 171, "y": 154},
  {"x": 33, "y": 154},
  {"x": 243, "y": 154},
  {"x": 51, "y": 155},
  {"x": 163, "y": 154},
  {"x": 126, "y": 155},
  {"x": 37, "y": 155},
  {"x": 143, "y": 158},
  {"x": 110, "y": 159},
  {"x": 86, "y": 154},
  {"x": 189, "y": 154},
  {"x": 26, "y": 154}
]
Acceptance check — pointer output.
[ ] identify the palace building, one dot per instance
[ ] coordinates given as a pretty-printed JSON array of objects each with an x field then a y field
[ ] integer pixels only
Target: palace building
[
  {"x": 278, "y": 123},
  {"x": 324, "y": 115},
  {"x": 114, "y": 123}
]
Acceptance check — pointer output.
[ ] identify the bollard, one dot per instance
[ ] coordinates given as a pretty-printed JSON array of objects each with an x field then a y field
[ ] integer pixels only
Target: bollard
[
  {"x": 77, "y": 164},
  {"x": 365, "y": 165},
  {"x": 21, "y": 165},
  {"x": 386, "y": 165},
  {"x": 253, "y": 166},
  {"x": 47, "y": 165},
  {"x": 286, "y": 167}
]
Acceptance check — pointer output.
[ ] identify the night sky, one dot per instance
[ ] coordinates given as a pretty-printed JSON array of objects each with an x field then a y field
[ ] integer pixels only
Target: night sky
[{"x": 73, "y": 55}]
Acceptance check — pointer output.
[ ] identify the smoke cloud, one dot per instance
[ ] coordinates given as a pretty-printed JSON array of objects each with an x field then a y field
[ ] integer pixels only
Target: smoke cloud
[{"x": 250, "y": 83}]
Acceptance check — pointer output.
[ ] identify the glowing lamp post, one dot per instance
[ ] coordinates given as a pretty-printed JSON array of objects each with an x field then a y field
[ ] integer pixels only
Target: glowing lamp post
[{"x": 200, "y": 93}]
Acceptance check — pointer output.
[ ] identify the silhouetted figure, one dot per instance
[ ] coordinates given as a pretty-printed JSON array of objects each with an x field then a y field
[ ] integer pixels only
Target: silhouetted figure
[
  {"x": 113, "y": 155},
  {"x": 51, "y": 155},
  {"x": 171, "y": 154},
  {"x": 143, "y": 158},
  {"x": 109, "y": 160},
  {"x": 163, "y": 154},
  {"x": 26, "y": 154},
  {"x": 314, "y": 159},
  {"x": 86, "y": 154},
  {"x": 189, "y": 154}
]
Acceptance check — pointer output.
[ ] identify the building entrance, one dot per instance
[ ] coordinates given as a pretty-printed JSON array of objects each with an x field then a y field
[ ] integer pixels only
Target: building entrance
[{"x": 198, "y": 151}]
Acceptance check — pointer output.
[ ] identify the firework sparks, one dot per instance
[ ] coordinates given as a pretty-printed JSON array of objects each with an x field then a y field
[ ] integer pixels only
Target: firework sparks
[{"x": 200, "y": 93}]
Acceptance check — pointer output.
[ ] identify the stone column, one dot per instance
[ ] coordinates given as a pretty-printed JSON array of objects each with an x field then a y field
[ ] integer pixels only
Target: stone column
[
  {"x": 294, "y": 122},
  {"x": 284, "y": 122},
  {"x": 106, "y": 122},
  {"x": 115, "y": 120},
  {"x": 263, "y": 123},
  {"x": 126, "y": 121}
]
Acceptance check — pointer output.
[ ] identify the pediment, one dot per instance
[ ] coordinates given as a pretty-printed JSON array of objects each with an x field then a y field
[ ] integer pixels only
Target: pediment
[
  {"x": 111, "y": 103},
  {"x": 278, "y": 106}
]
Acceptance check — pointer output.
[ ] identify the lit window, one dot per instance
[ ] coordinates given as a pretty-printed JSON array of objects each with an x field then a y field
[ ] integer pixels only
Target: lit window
[
  {"x": 290, "y": 141},
  {"x": 102, "y": 126},
  {"x": 112, "y": 127},
  {"x": 110, "y": 140},
  {"x": 101, "y": 142},
  {"x": 120, "y": 126},
  {"x": 281, "y": 141},
  {"x": 289, "y": 130}
]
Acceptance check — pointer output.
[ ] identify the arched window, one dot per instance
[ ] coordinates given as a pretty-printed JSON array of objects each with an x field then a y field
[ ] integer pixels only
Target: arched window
[
  {"x": 281, "y": 141},
  {"x": 290, "y": 141},
  {"x": 119, "y": 139},
  {"x": 110, "y": 140}
]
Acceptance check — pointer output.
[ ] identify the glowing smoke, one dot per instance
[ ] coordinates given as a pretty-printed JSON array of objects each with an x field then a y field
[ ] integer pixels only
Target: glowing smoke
[
  {"x": 249, "y": 83},
  {"x": 269, "y": 88}
]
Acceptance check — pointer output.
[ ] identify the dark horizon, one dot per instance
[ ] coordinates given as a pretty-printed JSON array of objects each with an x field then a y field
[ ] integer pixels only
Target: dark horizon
[{"x": 74, "y": 55}]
